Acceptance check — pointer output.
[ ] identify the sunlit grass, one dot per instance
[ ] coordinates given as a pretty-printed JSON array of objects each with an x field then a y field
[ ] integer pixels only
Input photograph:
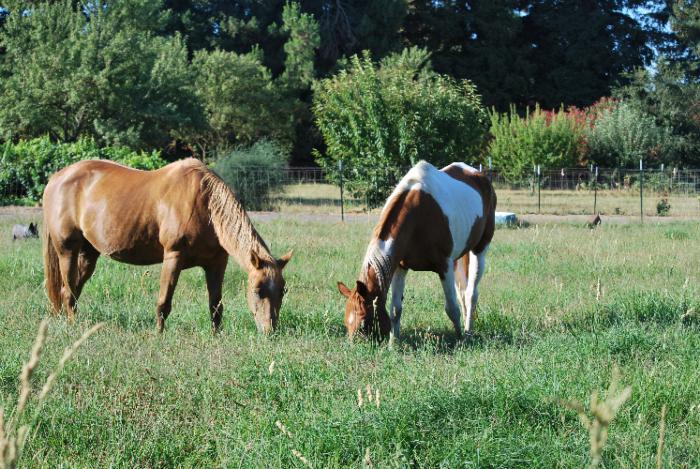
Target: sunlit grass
[{"x": 560, "y": 306}]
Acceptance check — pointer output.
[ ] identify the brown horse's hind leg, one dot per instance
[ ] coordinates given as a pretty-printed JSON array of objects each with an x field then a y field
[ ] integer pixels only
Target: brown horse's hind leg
[
  {"x": 87, "y": 260},
  {"x": 168, "y": 280},
  {"x": 215, "y": 280},
  {"x": 68, "y": 264}
]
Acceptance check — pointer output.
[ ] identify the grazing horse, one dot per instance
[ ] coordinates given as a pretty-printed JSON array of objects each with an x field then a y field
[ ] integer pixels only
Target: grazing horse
[
  {"x": 435, "y": 220},
  {"x": 182, "y": 215}
]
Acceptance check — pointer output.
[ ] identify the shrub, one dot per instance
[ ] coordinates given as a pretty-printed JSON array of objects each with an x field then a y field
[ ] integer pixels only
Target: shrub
[
  {"x": 254, "y": 172},
  {"x": 25, "y": 166},
  {"x": 379, "y": 120},
  {"x": 550, "y": 139},
  {"x": 622, "y": 135},
  {"x": 663, "y": 207}
]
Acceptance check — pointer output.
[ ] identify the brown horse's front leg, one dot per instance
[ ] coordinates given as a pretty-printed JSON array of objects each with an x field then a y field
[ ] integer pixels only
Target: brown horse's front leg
[
  {"x": 215, "y": 279},
  {"x": 168, "y": 280}
]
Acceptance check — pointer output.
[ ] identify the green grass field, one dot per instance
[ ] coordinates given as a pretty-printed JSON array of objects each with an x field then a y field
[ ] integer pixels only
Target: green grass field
[
  {"x": 560, "y": 307},
  {"x": 325, "y": 198}
]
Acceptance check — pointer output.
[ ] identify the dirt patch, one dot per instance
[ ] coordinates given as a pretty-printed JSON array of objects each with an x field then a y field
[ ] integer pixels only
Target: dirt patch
[{"x": 14, "y": 213}]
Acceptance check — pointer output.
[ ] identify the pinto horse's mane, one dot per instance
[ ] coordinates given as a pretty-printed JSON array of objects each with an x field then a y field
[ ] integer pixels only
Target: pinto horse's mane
[{"x": 230, "y": 220}]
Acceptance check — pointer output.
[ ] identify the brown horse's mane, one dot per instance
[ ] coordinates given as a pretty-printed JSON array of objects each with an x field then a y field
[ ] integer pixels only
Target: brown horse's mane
[{"x": 230, "y": 220}]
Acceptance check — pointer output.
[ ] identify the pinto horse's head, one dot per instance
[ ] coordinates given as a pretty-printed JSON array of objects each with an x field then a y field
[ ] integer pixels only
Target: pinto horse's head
[
  {"x": 362, "y": 310},
  {"x": 266, "y": 288}
]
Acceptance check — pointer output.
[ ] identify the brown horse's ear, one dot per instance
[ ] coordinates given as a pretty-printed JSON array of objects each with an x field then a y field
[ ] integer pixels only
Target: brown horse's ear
[
  {"x": 345, "y": 291},
  {"x": 255, "y": 260},
  {"x": 362, "y": 289},
  {"x": 282, "y": 261}
]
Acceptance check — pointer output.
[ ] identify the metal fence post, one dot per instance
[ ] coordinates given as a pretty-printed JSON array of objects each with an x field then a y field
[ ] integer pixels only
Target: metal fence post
[
  {"x": 641, "y": 191},
  {"x": 539, "y": 184},
  {"x": 595, "y": 191},
  {"x": 342, "y": 202}
]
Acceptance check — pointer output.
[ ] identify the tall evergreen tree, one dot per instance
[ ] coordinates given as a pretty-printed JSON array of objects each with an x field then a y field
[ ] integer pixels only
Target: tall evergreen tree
[{"x": 543, "y": 51}]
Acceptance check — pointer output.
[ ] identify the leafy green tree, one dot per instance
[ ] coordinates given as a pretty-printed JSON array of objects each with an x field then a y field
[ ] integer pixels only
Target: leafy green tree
[
  {"x": 379, "y": 120},
  {"x": 671, "y": 92},
  {"x": 623, "y": 135},
  {"x": 96, "y": 69},
  {"x": 549, "y": 139},
  {"x": 241, "y": 102}
]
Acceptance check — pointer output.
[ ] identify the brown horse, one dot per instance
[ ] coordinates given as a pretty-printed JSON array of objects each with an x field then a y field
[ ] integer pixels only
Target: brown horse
[{"x": 182, "y": 215}]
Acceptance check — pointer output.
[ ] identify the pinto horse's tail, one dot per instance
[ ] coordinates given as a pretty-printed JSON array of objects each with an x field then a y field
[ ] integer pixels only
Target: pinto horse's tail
[{"x": 52, "y": 272}]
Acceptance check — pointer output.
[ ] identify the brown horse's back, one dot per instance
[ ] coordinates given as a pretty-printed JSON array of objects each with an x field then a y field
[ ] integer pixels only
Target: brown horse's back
[{"x": 130, "y": 215}]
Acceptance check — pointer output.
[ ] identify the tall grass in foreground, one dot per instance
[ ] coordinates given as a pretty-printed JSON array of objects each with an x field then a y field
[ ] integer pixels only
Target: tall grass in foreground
[
  {"x": 560, "y": 307},
  {"x": 14, "y": 432}
]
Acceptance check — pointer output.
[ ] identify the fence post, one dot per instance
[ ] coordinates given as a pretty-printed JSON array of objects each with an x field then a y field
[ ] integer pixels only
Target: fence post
[
  {"x": 595, "y": 191},
  {"x": 539, "y": 183},
  {"x": 342, "y": 203},
  {"x": 641, "y": 191}
]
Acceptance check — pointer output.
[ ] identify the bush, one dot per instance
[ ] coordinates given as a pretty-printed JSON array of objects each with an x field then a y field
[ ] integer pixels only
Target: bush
[
  {"x": 623, "y": 134},
  {"x": 254, "y": 172},
  {"x": 379, "y": 120},
  {"x": 550, "y": 139},
  {"x": 25, "y": 166},
  {"x": 663, "y": 207}
]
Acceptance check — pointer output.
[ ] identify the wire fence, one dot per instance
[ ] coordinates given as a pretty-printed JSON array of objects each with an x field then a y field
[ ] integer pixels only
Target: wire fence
[{"x": 671, "y": 192}]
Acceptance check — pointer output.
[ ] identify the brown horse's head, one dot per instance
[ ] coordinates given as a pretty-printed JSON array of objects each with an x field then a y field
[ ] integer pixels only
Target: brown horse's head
[
  {"x": 265, "y": 290},
  {"x": 362, "y": 310}
]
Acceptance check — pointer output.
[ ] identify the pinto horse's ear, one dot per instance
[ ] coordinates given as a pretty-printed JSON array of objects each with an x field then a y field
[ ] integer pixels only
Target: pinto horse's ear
[
  {"x": 255, "y": 260},
  {"x": 345, "y": 291},
  {"x": 362, "y": 289},
  {"x": 282, "y": 261}
]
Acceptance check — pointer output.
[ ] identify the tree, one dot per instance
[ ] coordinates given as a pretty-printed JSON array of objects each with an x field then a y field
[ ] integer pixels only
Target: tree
[
  {"x": 671, "y": 91},
  {"x": 96, "y": 69},
  {"x": 580, "y": 50},
  {"x": 242, "y": 101},
  {"x": 379, "y": 120},
  {"x": 535, "y": 51}
]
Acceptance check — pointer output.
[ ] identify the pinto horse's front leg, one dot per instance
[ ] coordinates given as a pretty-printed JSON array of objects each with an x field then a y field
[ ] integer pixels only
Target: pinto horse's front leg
[
  {"x": 398, "y": 282},
  {"x": 451, "y": 303},
  {"x": 169, "y": 274}
]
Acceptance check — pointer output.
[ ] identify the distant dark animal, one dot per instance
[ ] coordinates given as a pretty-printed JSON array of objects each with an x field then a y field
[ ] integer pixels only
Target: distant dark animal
[
  {"x": 24, "y": 232},
  {"x": 182, "y": 215},
  {"x": 435, "y": 220},
  {"x": 594, "y": 221}
]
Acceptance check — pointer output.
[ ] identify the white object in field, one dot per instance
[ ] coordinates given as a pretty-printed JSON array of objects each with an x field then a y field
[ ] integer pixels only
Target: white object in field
[{"x": 506, "y": 218}]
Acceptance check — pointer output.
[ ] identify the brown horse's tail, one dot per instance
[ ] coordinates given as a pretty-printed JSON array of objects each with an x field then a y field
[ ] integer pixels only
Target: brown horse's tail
[{"x": 52, "y": 272}]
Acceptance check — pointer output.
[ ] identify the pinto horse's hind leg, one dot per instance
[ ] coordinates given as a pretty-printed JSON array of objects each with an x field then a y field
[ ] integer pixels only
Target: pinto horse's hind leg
[
  {"x": 451, "y": 304},
  {"x": 461, "y": 267},
  {"x": 169, "y": 274},
  {"x": 215, "y": 279},
  {"x": 477, "y": 264}
]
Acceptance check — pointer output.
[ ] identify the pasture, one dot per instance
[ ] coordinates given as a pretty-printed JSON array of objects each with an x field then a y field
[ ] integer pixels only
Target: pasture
[
  {"x": 325, "y": 198},
  {"x": 560, "y": 305}
]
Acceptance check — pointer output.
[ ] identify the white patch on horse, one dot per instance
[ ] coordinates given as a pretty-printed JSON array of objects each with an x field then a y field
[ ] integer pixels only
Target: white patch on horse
[{"x": 459, "y": 201}]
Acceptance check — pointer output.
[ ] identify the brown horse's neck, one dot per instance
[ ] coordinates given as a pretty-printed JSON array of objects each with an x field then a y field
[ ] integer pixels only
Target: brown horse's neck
[{"x": 232, "y": 224}]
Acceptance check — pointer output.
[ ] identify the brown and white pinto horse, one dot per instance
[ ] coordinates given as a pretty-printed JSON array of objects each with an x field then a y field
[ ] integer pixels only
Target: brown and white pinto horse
[
  {"x": 182, "y": 215},
  {"x": 435, "y": 220}
]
